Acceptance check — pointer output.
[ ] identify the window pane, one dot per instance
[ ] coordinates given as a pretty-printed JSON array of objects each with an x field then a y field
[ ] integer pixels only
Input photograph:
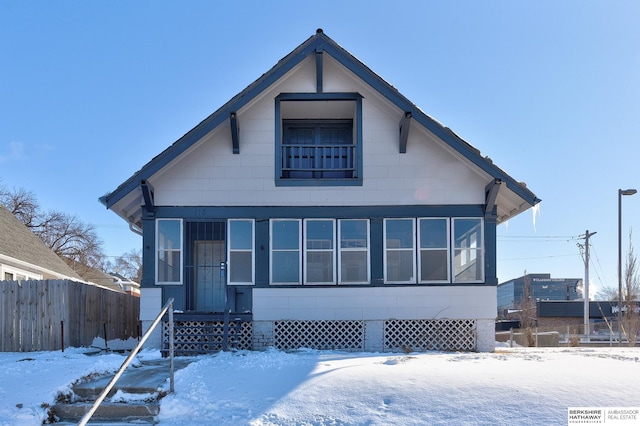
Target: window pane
[
  {"x": 285, "y": 234},
  {"x": 319, "y": 234},
  {"x": 353, "y": 234},
  {"x": 433, "y": 233},
  {"x": 169, "y": 234},
  {"x": 169, "y": 266},
  {"x": 320, "y": 267},
  {"x": 468, "y": 265},
  {"x": 353, "y": 266},
  {"x": 285, "y": 267},
  {"x": 400, "y": 265},
  {"x": 433, "y": 265},
  {"x": 241, "y": 267},
  {"x": 399, "y": 233},
  {"x": 466, "y": 231},
  {"x": 241, "y": 234}
]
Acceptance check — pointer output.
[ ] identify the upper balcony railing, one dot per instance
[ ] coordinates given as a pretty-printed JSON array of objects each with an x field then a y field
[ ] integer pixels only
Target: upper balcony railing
[{"x": 337, "y": 161}]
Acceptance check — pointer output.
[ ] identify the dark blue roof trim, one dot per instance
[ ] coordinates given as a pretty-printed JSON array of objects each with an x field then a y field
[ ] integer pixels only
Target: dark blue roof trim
[{"x": 319, "y": 41}]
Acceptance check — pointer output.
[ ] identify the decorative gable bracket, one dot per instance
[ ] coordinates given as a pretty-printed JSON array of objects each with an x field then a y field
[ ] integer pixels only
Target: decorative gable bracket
[
  {"x": 147, "y": 196},
  {"x": 491, "y": 195},
  {"x": 235, "y": 132},
  {"x": 319, "y": 74},
  {"x": 405, "y": 122}
]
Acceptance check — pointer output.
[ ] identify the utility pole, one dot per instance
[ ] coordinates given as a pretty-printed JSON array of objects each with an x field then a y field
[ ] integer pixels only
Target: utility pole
[{"x": 585, "y": 292}]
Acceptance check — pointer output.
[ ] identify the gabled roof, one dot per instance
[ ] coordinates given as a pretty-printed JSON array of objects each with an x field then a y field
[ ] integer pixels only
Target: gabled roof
[
  {"x": 22, "y": 248},
  {"x": 519, "y": 198}
]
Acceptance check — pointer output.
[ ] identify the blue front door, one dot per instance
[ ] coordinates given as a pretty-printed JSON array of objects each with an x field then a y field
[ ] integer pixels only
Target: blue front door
[
  {"x": 210, "y": 276},
  {"x": 206, "y": 266}
]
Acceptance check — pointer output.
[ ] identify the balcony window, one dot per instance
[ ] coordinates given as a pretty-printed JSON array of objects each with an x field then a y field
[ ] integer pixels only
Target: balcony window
[{"x": 318, "y": 139}]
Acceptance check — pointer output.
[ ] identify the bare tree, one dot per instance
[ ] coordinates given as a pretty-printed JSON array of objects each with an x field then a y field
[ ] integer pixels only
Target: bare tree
[
  {"x": 630, "y": 290},
  {"x": 129, "y": 265},
  {"x": 526, "y": 312},
  {"x": 607, "y": 293},
  {"x": 75, "y": 241},
  {"x": 22, "y": 204}
]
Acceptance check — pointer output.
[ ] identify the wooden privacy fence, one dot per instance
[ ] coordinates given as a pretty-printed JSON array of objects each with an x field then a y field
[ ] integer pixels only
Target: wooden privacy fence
[{"x": 38, "y": 315}]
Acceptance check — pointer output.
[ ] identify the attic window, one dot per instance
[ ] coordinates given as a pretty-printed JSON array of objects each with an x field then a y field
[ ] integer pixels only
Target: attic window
[{"x": 318, "y": 139}]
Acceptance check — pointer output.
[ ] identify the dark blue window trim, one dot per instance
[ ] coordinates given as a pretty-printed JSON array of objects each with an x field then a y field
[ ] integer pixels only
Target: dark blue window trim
[{"x": 310, "y": 97}]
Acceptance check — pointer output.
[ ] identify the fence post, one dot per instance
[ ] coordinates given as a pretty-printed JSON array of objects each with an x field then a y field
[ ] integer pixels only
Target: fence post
[
  {"x": 511, "y": 337},
  {"x": 62, "y": 334},
  {"x": 171, "y": 381}
]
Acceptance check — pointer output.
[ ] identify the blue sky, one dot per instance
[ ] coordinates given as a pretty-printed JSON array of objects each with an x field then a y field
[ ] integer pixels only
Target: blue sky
[{"x": 91, "y": 91}]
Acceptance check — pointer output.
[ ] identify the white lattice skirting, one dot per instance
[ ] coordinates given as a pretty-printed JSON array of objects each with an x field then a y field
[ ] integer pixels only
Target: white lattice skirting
[
  {"x": 345, "y": 335},
  {"x": 396, "y": 335},
  {"x": 430, "y": 335},
  {"x": 197, "y": 337}
]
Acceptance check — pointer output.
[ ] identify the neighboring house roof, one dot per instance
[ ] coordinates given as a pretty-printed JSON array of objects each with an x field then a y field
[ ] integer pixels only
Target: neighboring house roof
[
  {"x": 96, "y": 276},
  {"x": 512, "y": 200},
  {"x": 21, "y": 247}
]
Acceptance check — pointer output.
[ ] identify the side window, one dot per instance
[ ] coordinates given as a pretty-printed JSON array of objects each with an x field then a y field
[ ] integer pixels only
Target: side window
[
  {"x": 353, "y": 258},
  {"x": 286, "y": 259},
  {"x": 399, "y": 251},
  {"x": 433, "y": 243},
  {"x": 468, "y": 253},
  {"x": 169, "y": 251},
  {"x": 241, "y": 252}
]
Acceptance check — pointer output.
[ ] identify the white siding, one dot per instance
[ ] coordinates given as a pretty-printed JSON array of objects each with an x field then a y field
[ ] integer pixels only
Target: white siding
[
  {"x": 150, "y": 306},
  {"x": 210, "y": 174},
  {"x": 377, "y": 303}
]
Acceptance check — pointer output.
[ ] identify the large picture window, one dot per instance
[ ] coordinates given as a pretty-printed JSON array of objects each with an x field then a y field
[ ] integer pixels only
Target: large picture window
[
  {"x": 241, "y": 253},
  {"x": 319, "y": 251},
  {"x": 169, "y": 251},
  {"x": 438, "y": 247}
]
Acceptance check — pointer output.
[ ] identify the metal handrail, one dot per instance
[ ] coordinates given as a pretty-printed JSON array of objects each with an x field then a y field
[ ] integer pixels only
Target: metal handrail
[{"x": 167, "y": 307}]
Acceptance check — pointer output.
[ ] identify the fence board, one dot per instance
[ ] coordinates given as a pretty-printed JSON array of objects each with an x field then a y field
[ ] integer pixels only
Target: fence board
[{"x": 32, "y": 314}]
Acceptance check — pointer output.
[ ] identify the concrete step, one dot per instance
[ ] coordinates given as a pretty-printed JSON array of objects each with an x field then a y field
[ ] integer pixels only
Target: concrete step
[
  {"x": 142, "y": 413},
  {"x": 147, "y": 379}
]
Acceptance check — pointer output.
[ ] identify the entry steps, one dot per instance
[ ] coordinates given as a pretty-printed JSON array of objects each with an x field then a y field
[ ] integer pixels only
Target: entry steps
[{"x": 137, "y": 396}]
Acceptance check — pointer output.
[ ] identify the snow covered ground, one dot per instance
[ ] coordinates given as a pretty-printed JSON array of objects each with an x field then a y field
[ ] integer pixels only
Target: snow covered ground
[{"x": 524, "y": 386}]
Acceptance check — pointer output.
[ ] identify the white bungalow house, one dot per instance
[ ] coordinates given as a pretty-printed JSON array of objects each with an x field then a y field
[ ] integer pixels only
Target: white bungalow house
[{"x": 321, "y": 208}]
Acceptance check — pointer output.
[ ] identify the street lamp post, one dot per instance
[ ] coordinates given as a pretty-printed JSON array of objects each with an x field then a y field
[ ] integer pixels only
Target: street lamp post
[{"x": 621, "y": 192}]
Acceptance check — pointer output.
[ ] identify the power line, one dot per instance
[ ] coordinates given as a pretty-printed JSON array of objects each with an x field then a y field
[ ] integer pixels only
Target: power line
[{"x": 540, "y": 257}]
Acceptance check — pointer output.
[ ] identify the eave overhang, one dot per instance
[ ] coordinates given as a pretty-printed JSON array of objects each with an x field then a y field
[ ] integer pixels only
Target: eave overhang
[{"x": 515, "y": 199}]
